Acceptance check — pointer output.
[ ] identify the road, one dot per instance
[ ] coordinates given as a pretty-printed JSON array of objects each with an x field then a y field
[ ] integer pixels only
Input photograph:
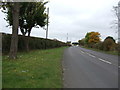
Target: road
[{"x": 83, "y": 68}]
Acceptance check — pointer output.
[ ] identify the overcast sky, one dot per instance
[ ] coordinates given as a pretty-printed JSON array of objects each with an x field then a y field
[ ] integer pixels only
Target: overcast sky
[{"x": 75, "y": 17}]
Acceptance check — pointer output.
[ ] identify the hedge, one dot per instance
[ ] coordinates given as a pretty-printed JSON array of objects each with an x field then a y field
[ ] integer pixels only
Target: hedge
[{"x": 34, "y": 43}]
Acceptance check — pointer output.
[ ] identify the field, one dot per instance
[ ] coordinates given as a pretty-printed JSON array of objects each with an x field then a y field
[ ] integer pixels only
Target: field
[{"x": 36, "y": 69}]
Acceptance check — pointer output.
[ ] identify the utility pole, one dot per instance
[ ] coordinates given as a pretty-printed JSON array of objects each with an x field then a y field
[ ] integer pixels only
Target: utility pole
[
  {"x": 67, "y": 38},
  {"x": 118, "y": 38},
  {"x": 47, "y": 28},
  {"x": 119, "y": 21},
  {"x": 47, "y": 22}
]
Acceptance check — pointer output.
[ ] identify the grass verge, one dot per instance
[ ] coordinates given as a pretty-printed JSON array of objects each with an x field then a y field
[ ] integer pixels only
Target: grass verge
[
  {"x": 107, "y": 52},
  {"x": 36, "y": 69}
]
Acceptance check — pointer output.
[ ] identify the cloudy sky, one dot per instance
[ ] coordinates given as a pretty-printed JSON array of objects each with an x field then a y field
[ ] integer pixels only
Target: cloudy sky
[{"x": 75, "y": 17}]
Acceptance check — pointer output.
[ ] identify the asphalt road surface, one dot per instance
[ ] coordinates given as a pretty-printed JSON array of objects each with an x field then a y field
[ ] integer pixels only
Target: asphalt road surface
[{"x": 83, "y": 68}]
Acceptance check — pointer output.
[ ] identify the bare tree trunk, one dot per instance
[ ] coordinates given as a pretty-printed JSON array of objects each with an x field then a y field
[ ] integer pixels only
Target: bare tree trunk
[
  {"x": 14, "y": 38},
  {"x": 27, "y": 40},
  {"x": 24, "y": 40},
  {"x": 27, "y": 43}
]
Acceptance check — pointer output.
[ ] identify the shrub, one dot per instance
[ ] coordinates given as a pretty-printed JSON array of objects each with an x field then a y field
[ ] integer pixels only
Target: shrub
[
  {"x": 117, "y": 47},
  {"x": 99, "y": 45},
  {"x": 82, "y": 42},
  {"x": 109, "y": 45},
  {"x": 34, "y": 43}
]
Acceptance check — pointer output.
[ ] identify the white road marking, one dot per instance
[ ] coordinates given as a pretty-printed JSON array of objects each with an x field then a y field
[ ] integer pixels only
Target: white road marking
[
  {"x": 91, "y": 55},
  {"x": 101, "y": 59},
  {"x": 87, "y": 53},
  {"x": 104, "y": 61},
  {"x": 98, "y": 58},
  {"x": 118, "y": 66},
  {"x": 82, "y": 52}
]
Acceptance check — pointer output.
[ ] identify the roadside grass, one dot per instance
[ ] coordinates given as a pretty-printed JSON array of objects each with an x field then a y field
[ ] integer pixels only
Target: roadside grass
[
  {"x": 107, "y": 52},
  {"x": 36, "y": 69}
]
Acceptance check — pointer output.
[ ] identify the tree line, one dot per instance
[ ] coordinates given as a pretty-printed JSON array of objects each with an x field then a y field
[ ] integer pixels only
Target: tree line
[{"x": 93, "y": 40}]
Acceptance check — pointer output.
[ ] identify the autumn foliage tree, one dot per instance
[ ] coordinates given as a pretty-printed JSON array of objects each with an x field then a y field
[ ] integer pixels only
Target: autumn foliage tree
[{"x": 92, "y": 38}]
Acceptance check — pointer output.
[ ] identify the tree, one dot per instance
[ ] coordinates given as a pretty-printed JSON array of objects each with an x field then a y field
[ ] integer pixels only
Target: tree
[
  {"x": 109, "y": 37},
  {"x": 82, "y": 42},
  {"x": 14, "y": 38},
  {"x": 92, "y": 38},
  {"x": 14, "y": 7},
  {"x": 34, "y": 15},
  {"x": 31, "y": 15},
  {"x": 99, "y": 45},
  {"x": 109, "y": 44},
  {"x": 87, "y": 38}
]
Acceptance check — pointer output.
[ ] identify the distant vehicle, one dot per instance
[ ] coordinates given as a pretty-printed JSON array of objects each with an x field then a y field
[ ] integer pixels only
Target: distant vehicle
[{"x": 75, "y": 43}]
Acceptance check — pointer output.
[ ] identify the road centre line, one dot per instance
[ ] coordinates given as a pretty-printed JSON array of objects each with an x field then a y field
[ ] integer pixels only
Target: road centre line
[
  {"x": 104, "y": 61},
  {"x": 82, "y": 52},
  {"x": 99, "y": 58},
  {"x": 91, "y": 55},
  {"x": 87, "y": 53}
]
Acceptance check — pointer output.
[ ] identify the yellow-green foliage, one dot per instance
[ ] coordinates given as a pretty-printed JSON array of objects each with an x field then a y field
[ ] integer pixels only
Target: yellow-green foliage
[
  {"x": 82, "y": 42},
  {"x": 94, "y": 37}
]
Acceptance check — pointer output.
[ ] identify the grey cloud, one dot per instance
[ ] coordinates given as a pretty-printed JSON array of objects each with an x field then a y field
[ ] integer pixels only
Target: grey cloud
[{"x": 77, "y": 17}]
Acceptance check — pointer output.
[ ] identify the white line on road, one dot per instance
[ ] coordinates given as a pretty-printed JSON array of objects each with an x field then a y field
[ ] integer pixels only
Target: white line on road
[
  {"x": 82, "y": 52},
  {"x": 91, "y": 55},
  {"x": 98, "y": 58},
  {"x": 104, "y": 61},
  {"x": 87, "y": 53},
  {"x": 118, "y": 66}
]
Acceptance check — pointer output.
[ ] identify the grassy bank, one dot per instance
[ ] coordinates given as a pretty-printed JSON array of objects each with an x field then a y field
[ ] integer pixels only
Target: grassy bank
[
  {"x": 36, "y": 69},
  {"x": 107, "y": 52}
]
